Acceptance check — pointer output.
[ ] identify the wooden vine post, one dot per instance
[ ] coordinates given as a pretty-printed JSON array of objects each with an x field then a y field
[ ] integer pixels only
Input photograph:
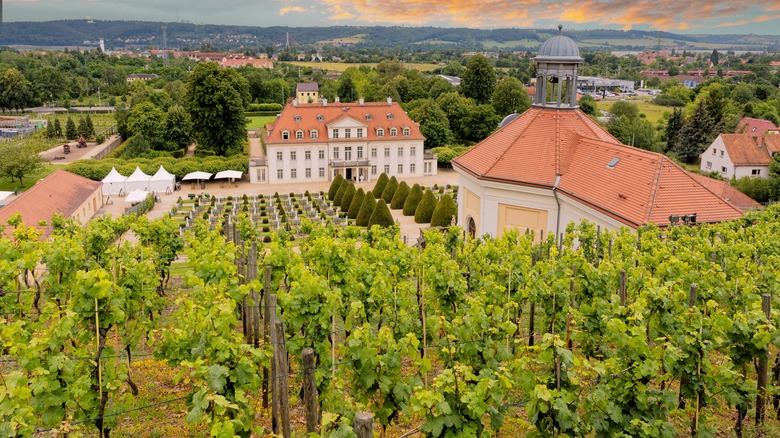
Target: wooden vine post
[
  {"x": 310, "y": 391},
  {"x": 266, "y": 330},
  {"x": 364, "y": 425},
  {"x": 761, "y": 378},
  {"x": 283, "y": 391}
]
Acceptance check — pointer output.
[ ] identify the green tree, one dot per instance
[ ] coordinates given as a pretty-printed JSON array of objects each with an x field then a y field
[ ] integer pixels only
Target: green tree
[
  {"x": 379, "y": 187},
  {"x": 480, "y": 121},
  {"x": 714, "y": 58},
  {"x": 455, "y": 107},
  {"x": 627, "y": 109},
  {"x": 83, "y": 129},
  {"x": 137, "y": 146},
  {"x": 340, "y": 193},
  {"x": 335, "y": 185},
  {"x": 90, "y": 127},
  {"x": 479, "y": 79},
  {"x": 18, "y": 162},
  {"x": 57, "y": 128},
  {"x": 633, "y": 131},
  {"x": 148, "y": 119},
  {"x": 695, "y": 135},
  {"x": 510, "y": 97},
  {"x": 366, "y": 210},
  {"x": 346, "y": 200},
  {"x": 673, "y": 127},
  {"x": 390, "y": 188},
  {"x": 425, "y": 209},
  {"x": 755, "y": 187},
  {"x": 178, "y": 126},
  {"x": 445, "y": 210},
  {"x": 433, "y": 122},
  {"x": 50, "y": 131},
  {"x": 71, "y": 133},
  {"x": 400, "y": 196},
  {"x": 436, "y": 134},
  {"x": 15, "y": 90},
  {"x": 415, "y": 195},
  {"x": 381, "y": 215},
  {"x": 347, "y": 90},
  {"x": 216, "y": 99},
  {"x": 588, "y": 105},
  {"x": 357, "y": 202}
]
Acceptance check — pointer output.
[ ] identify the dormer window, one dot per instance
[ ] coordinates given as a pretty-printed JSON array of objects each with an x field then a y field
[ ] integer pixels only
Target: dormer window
[
  {"x": 393, "y": 132},
  {"x": 407, "y": 132},
  {"x": 297, "y": 118},
  {"x": 380, "y": 132},
  {"x": 389, "y": 116},
  {"x": 314, "y": 134},
  {"x": 368, "y": 117},
  {"x": 285, "y": 135},
  {"x": 320, "y": 118},
  {"x": 299, "y": 135}
]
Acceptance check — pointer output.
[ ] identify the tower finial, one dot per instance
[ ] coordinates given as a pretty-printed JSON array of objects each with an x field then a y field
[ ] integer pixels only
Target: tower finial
[{"x": 560, "y": 29}]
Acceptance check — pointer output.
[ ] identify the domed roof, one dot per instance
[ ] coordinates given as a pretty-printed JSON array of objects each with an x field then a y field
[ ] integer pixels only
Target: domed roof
[{"x": 559, "y": 48}]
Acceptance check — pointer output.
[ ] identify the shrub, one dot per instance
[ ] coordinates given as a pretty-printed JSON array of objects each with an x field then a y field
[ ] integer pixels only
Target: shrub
[
  {"x": 340, "y": 193},
  {"x": 425, "y": 210},
  {"x": 381, "y": 215},
  {"x": 413, "y": 200},
  {"x": 445, "y": 211},
  {"x": 357, "y": 202},
  {"x": 346, "y": 200},
  {"x": 379, "y": 187},
  {"x": 389, "y": 191},
  {"x": 334, "y": 187},
  {"x": 366, "y": 210},
  {"x": 401, "y": 193},
  {"x": 266, "y": 239}
]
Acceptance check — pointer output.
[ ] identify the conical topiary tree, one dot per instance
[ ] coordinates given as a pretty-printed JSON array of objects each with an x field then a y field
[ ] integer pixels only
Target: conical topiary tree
[
  {"x": 340, "y": 193},
  {"x": 90, "y": 126},
  {"x": 381, "y": 215},
  {"x": 445, "y": 211},
  {"x": 400, "y": 195},
  {"x": 366, "y": 210},
  {"x": 357, "y": 202},
  {"x": 346, "y": 200},
  {"x": 334, "y": 186},
  {"x": 379, "y": 187},
  {"x": 415, "y": 195},
  {"x": 425, "y": 210},
  {"x": 57, "y": 128},
  {"x": 389, "y": 191},
  {"x": 70, "y": 130}
]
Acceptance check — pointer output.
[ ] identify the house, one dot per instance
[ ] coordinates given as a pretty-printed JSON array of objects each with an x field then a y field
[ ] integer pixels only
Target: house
[
  {"x": 307, "y": 92},
  {"x": 749, "y": 125},
  {"x": 738, "y": 155},
  {"x": 553, "y": 165},
  {"x": 358, "y": 140},
  {"x": 244, "y": 61},
  {"x": 141, "y": 77},
  {"x": 63, "y": 193}
]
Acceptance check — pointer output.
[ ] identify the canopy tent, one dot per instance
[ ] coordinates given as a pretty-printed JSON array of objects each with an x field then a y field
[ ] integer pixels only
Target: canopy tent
[
  {"x": 136, "y": 196},
  {"x": 114, "y": 183},
  {"x": 162, "y": 181},
  {"x": 137, "y": 181},
  {"x": 196, "y": 176},
  {"x": 232, "y": 174}
]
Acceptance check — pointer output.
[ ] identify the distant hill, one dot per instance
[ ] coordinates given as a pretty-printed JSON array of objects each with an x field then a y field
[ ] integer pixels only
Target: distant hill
[{"x": 145, "y": 34}]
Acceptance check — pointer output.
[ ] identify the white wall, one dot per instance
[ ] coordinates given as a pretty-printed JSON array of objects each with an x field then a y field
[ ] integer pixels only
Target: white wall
[{"x": 716, "y": 158}]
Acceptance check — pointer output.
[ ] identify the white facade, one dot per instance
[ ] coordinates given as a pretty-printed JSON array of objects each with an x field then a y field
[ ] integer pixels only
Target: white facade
[{"x": 716, "y": 159}]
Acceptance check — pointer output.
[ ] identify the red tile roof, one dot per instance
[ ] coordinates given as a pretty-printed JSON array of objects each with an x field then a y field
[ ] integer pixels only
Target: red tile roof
[
  {"x": 61, "y": 192},
  {"x": 749, "y": 125},
  {"x": 727, "y": 192},
  {"x": 749, "y": 150},
  {"x": 642, "y": 187},
  {"x": 309, "y": 120}
]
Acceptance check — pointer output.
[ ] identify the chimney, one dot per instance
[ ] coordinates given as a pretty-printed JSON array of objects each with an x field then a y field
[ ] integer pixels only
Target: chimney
[
  {"x": 295, "y": 103},
  {"x": 361, "y": 101},
  {"x": 324, "y": 102},
  {"x": 389, "y": 101},
  {"x": 336, "y": 100}
]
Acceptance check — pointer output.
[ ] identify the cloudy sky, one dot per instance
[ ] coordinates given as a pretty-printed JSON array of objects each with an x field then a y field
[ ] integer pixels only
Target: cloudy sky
[{"x": 684, "y": 16}]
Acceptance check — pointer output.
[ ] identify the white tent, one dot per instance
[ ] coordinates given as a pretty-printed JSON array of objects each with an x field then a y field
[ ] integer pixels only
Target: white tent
[
  {"x": 114, "y": 183},
  {"x": 136, "y": 196},
  {"x": 162, "y": 181},
  {"x": 137, "y": 181},
  {"x": 232, "y": 174}
]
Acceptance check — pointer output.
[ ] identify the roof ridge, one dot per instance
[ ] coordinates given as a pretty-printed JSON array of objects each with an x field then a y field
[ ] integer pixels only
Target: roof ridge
[
  {"x": 654, "y": 191},
  {"x": 688, "y": 174},
  {"x": 558, "y": 143}
]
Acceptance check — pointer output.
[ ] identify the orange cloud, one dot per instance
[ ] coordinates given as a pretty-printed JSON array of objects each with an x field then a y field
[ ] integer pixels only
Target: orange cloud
[{"x": 289, "y": 9}]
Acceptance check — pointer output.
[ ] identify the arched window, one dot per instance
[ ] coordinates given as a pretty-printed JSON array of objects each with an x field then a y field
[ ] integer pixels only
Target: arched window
[
  {"x": 285, "y": 135},
  {"x": 393, "y": 132},
  {"x": 299, "y": 134},
  {"x": 380, "y": 132},
  {"x": 472, "y": 228},
  {"x": 407, "y": 132},
  {"x": 314, "y": 134}
]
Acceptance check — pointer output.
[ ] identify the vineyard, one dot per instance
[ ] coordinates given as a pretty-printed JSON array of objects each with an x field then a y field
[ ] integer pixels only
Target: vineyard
[{"x": 654, "y": 333}]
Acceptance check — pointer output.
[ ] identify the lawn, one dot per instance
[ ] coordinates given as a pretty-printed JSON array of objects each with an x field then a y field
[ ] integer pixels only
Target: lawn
[
  {"x": 653, "y": 112},
  {"x": 6, "y": 185},
  {"x": 258, "y": 122}
]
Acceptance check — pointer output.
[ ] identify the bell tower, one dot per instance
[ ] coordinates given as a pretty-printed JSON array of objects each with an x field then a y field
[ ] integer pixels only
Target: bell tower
[{"x": 557, "y": 66}]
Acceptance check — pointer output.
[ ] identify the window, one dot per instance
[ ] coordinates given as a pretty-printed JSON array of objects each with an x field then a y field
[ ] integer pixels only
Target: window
[
  {"x": 426, "y": 168},
  {"x": 293, "y": 173},
  {"x": 308, "y": 172},
  {"x": 307, "y": 154},
  {"x": 314, "y": 134},
  {"x": 261, "y": 174},
  {"x": 387, "y": 168},
  {"x": 299, "y": 135},
  {"x": 335, "y": 153},
  {"x": 413, "y": 151},
  {"x": 368, "y": 117},
  {"x": 348, "y": 153},
  {"x": 723, "y": 169},
  {"x": 709, "y": 165},
  {"x": 373, "y": 169},
  {"x": 387, "y": 152},
  {"x": 393, "y": 132},
  {"x": 407, "y": 132},
  {"x": 412, "y": 168},
  {"x": 285, "y": 135},
  {"x": 380, "y": 132},
  {"x": 322, "y": 172},
  {"x": 347, "y": 133},
  {"x": 297, "y": 118},
  {"x": 714, "y": 151},
  {"x": 373, "y": 152},
  {"x": 755, "y": 172},
  {"x": 279, "y": 156},
  {"x": 400, "y": 151},
  {"x": 321, "y": 154},
  {"x": 360, "y": 133},
  {"x": 721, "y": 153},
  {"x": 293, "y": 155},
  {"x": 280, "y": 173},
  {"x": 389, "y": 116},
  {"x": 400, "y": 169},
  {"x": 360, "y": 152},
  {"x": 335, "y": 133},
  {"x": 320, "y": 118}
]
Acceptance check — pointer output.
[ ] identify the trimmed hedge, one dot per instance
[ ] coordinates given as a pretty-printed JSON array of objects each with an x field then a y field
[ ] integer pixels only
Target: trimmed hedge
[
  {"x": 445, "y": 211},
  {"x": 379, "y": 187},
  {"x": 346, "y": 200},
  {"x": 366, "y": 210},
  {"x": 381, "y": 215},
  {"x": 98, "y": 169},
  {"x": 400, "y": 196},
  {"x": 413, "y": 200},
  {"x": 340, "y": 193},
  {"x": 389, "y": 191},
  {"x": 425, "y": 210},
  {"x": 334, "y": 186},
  {"x": 357, "y": 202},
  {"x": 265, "y": 107}
]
